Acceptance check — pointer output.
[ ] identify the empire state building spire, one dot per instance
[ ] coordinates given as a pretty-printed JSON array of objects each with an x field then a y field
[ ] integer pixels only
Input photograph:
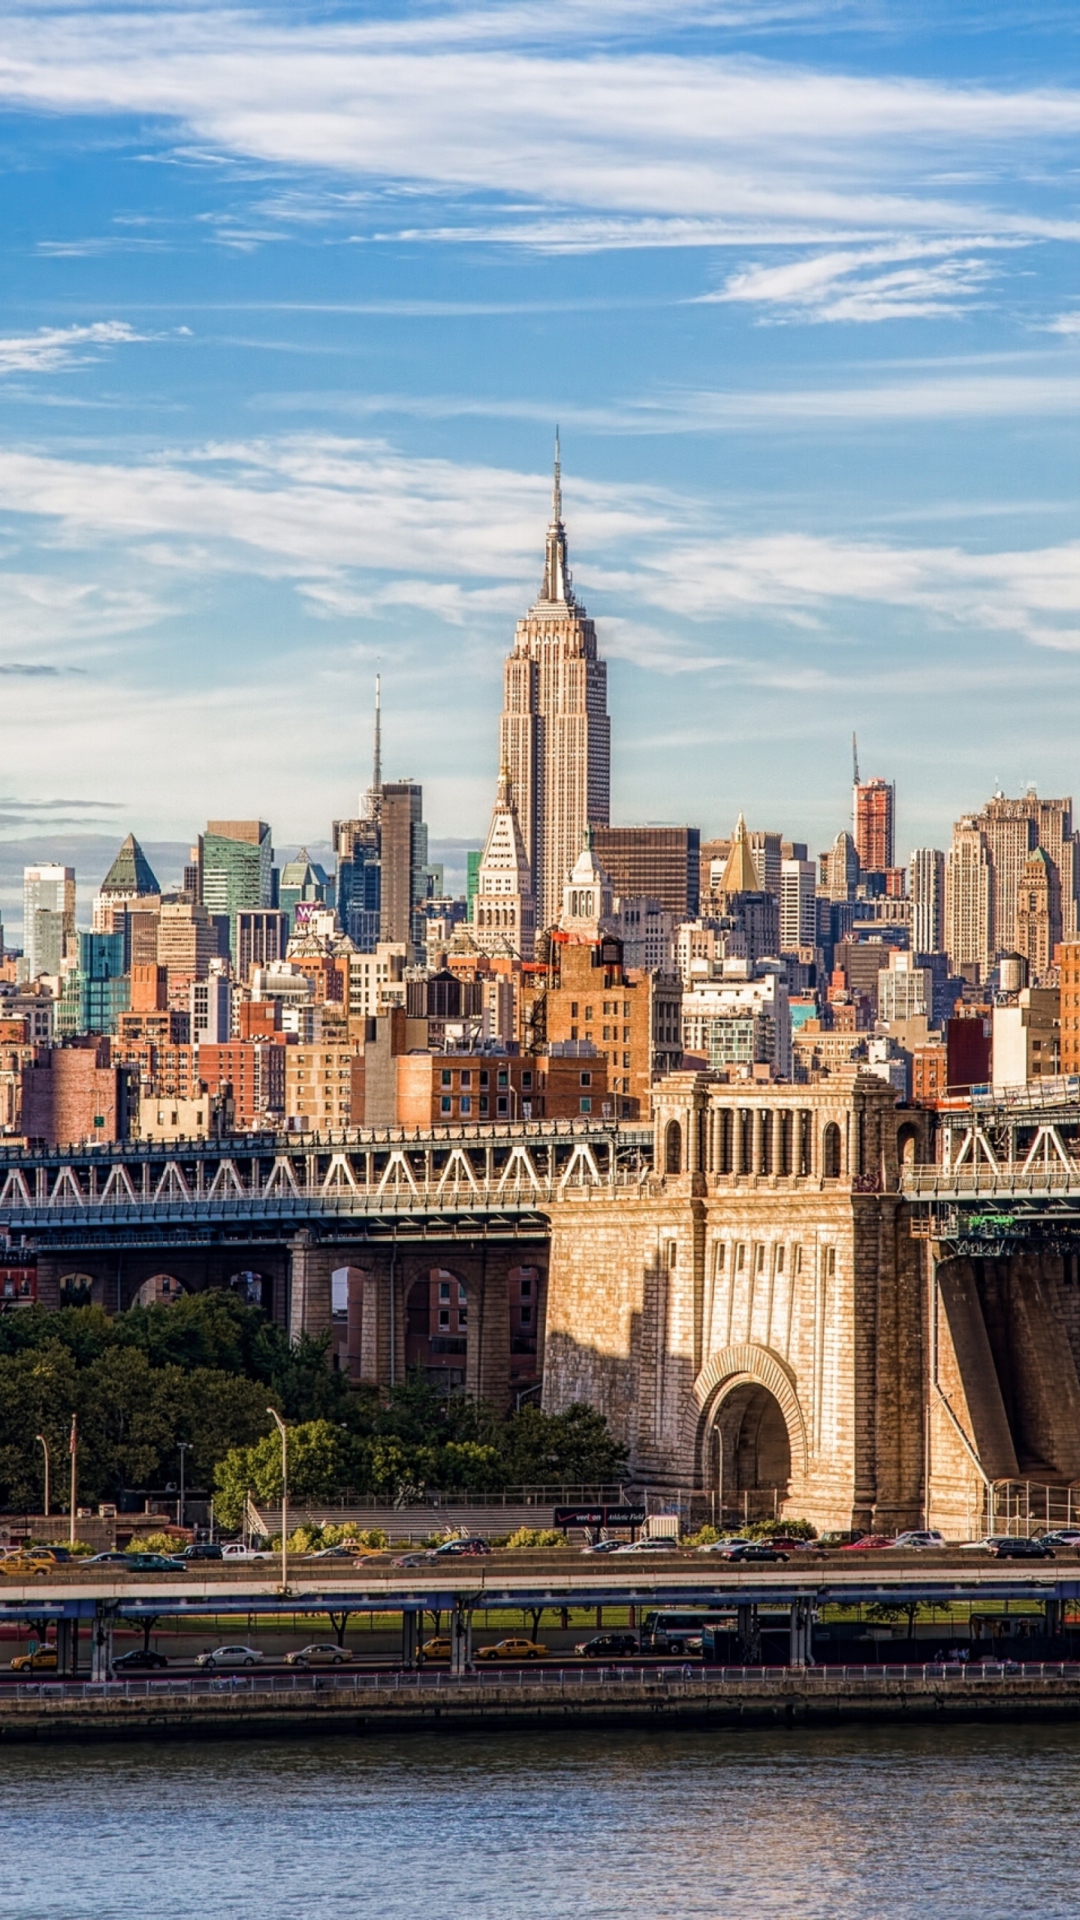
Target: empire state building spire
[
  {"x": 557, "y": 589},
  {"x": 554, "y": 736}
]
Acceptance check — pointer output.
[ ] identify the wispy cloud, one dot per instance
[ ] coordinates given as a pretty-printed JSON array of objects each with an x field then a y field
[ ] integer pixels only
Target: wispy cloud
[
  {"x": 51, "y": 349},
  {"x": 924, "y": 280}
]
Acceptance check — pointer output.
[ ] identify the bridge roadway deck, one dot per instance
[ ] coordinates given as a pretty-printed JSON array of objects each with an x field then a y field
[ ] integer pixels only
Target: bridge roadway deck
[{"x": 694, "y": 1582}]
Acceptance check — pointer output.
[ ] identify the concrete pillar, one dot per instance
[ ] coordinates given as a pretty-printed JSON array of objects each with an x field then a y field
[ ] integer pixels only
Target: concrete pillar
[
  {"x": 63, "y": 1646},
  {"x": 309, "y": 1290},
  {"x": 354, "y": 1339},
  {"x": 759, "y": 1140},
  {"x": 799, "y": 1641},
  {"x": 410, "y": 1638},
  {"x": 748, "y": 1635},
  {"x": 101, "y": 1643},
  {"x": 49, "y": 1274},
  {"x": 488, "y": 1356},
  {"x": 461, "y": 1638}
]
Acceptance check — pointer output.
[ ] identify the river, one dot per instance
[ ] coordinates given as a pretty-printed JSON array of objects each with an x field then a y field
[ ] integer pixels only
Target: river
[{"x": 965, "y": 1823}]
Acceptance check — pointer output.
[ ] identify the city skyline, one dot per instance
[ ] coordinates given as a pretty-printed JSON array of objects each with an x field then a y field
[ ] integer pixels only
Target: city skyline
[{"x": 279, "y": 380}]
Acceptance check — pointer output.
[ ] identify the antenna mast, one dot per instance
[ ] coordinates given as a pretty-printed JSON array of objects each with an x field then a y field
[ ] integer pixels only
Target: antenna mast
[{"x": 854, "y": 761}]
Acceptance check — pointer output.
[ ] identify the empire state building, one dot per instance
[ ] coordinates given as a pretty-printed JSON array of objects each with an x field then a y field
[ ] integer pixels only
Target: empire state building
[{"x": 555, "y": 736}]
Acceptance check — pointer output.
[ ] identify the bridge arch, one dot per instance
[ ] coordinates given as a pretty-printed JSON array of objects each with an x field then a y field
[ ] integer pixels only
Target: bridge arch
[
  {"x": 76, "y": 1289},
  {"x": 749, "y": 1432},
  {"x": 437, "y": 1326},
  {"x": 161, "y": 1290},
  {"x": 830, "y": 1152},
  {"x": 673, "y": 1147}
]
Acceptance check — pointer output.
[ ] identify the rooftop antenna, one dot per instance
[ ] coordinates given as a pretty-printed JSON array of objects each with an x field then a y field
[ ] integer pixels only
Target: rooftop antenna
[
  {"x": 854, "y": 760},
  {"x": 376, "y": 777}
]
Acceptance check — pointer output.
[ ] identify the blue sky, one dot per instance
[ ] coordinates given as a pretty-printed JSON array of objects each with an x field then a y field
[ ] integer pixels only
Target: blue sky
[{"x": 293, "y": 298}]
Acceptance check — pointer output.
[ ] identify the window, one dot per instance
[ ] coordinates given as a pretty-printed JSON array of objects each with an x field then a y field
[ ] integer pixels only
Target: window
[
  {"x": 466, "y": 1103},
  {"x": 586, "y": 1079},
  {"x": 503, "y": 1078},
  {"x": 484, "y": 1103},
  {"x": 526, "y": 1316},
  {"x": 502, "y": 1104},
  {"x": 573, "y": 1033},
  {"x": 444, "y": 1319},
  {"x": 526, "y": 1289},
  {"x": 673, "y": 1148},
  {"x": 446, "y": 1078},
  {"x": 588, "y": 1013},
  {"x": 585, "y": 1104},
  {"x": 526, "y": 1080},
  {"x": 466, "y": 1079},
  {"x": 446, "y": 1105},
  {"x": 672, "y": 1253},
  {"x": 483, "y": 1076},
  {"x": 462, "y": 1296},
  {"x": 573, "y": 1009}
]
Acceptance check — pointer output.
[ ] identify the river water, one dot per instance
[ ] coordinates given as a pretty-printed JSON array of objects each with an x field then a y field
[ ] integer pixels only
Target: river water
[{"x": 966, "y": 1823}]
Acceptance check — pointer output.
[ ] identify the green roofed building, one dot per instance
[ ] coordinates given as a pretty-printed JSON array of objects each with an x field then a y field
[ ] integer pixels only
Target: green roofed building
[{"x": 131, "y": 876}]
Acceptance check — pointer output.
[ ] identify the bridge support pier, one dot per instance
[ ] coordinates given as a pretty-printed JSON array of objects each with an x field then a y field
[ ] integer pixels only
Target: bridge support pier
[
  {"x": 799, "y": 1643},
  {"x": 461, "y": 1659},
  {"x": 309, "y": 1286},
  {"x": 749, "y": 1635},
  {"x": 410, "y": 1638},
  {"x": 101, "y": 1645}
]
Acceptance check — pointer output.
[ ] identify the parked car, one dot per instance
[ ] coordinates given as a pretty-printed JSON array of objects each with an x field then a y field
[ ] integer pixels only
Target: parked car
[
  {"x": 411, "y": 1560},
  {"x": 230, "y": 1657},
  {"x": 605, "y": 1646},
  {"x": 512, "y": 1650},
  {"x": 926, "y": 1537},
  {"x": 39, "y": 1660},
  {"x": 203, "y": 1550},
  {"x": 724, "y": 1547},
  {"x": 139, "y": 1660},
  {"x": 440, "y": 1648},
  {"x": 320, "y": 1655},
  {"x": 153, "y": 1563},
  {"x": 1061, "y": 1537},
  {"x": 234, "y": 1550},
  {"x": 112, "y": 1559},
  {"x": 331, "y": 1553}
]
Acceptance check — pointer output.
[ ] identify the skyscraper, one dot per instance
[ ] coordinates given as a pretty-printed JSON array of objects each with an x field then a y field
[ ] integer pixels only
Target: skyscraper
[
  {"x": 237, "y": 869},
  {"x": 504, "y": 913},
  {"x": 798, "y": 905},
  {"x": 873, "y": 823},
  {"x": 927, "y": 888},
  {"x": 403, "y": 851},
  {"x": 48, "y": 917},
  {"x": 555, "y": 736},
  {"x": 969, "y": 900}
]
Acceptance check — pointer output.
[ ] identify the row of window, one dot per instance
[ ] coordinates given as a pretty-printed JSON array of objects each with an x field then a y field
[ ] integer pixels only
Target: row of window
[
  {"x": 609, "y": 1008},
  {"x": 464, "y": 1075}
]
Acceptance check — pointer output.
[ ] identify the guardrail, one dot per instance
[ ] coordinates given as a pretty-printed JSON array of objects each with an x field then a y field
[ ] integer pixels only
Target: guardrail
[{"x": 819, "y": 1679}]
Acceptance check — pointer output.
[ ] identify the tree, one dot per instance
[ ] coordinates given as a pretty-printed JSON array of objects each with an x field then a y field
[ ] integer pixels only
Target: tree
[{"x": 322, "y": 1463}]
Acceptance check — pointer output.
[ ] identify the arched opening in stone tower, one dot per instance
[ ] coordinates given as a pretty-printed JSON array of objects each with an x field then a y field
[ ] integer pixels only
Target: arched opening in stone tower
[
  {"x": 161, "y": 1290},
  {"x": 830, "y": 1152},
  {"x": 437, "y": 1328},
  {"x": 76, "y": 1290},
  {"x": 751, "y": 1453},
  {"x": 673, "y": 1147}
]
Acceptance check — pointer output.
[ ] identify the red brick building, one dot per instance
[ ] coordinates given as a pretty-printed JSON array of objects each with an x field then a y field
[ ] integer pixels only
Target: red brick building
[{"x": 75, "y": 1095}]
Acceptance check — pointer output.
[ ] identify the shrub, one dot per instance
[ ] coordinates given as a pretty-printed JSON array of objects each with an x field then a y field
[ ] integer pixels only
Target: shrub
[
  {"x": 155, "y": 1543},
  {"x": 537, "y": 1537},
  {"x": 767, "y": 1529},
  {"x": 705, "y": 1536}
]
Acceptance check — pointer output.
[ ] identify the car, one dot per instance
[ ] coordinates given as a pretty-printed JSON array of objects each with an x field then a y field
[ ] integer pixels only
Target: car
[
  {"x": 411, "y": 1560},
  {"x": 756, "y": 1550},
  {"x": 202, "y": 1550},
  {"x": 650, "y": 1545},
  {"x": 229, "y": 1657},
  {"x": 153, "y": 1563},
  {"x": 331, "y": 1553},
  {"x": 27, "y": 1566},
  {"x": 512, "y": 1650},
  {"x": 38, "y": 1660},
  {"x": 319, "y": 1656},
  {"x": 1061, "y": 1537},
  {"x": 925, "y": 1537},
  {"x": 603, "y": 1546},
  {"x": 1016, "y": 1547},
  {"x": 234, "y": 1550},
  {"x": 460, "y": 1549},
  {"x": 113, "y": 1558},
  {"x": 868, "y": 1541},
  {"x": 139, "y": 1660},
  {"x": 440, "y": 1648},
  {"x": 605, "y": 1646},
  {"x": 724, "y": 1547}
]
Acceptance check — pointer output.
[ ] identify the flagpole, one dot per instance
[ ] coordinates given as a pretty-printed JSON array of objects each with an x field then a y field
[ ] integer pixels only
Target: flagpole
[{"x": 74, "y": 1456}]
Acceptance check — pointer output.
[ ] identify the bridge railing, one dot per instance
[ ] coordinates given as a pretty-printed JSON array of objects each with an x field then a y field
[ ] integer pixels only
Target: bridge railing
[{"x": 931, "y": 1183}]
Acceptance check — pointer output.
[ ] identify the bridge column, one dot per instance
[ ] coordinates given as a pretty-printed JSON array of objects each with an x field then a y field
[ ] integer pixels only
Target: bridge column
[
  {"x": 410, "y": 1637},
  {"x": 799, "y": 1643},
  {"x": 49, "y": 1275},
  {"x": 309, "y": 1286},
  {"x": 488, "y": 1356}
]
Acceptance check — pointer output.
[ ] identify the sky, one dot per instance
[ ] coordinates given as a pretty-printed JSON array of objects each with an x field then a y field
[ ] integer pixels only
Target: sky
[{"x": 293, "y": 298}]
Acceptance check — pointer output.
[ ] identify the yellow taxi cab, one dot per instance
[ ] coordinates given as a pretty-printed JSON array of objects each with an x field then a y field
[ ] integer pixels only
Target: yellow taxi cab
[
  {"x": 437, "y": 1649},
  {"x": 28, "y": 1563},
  {"x": 40, "y": 1660},
  {"x": 512, "y": 1650}
]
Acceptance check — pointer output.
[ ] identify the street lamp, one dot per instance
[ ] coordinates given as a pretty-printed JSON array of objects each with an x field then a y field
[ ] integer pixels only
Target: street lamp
[
  {"x": 74, "y": 1444},
  {"x": 282, "y": 1429},
  {"x": 182, "y": 1448},
  {"x": 44, "y": 1445}
]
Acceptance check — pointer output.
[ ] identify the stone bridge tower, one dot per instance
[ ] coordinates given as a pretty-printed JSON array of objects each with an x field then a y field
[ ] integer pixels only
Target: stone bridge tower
[{"x": 750, "y": 1316}]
